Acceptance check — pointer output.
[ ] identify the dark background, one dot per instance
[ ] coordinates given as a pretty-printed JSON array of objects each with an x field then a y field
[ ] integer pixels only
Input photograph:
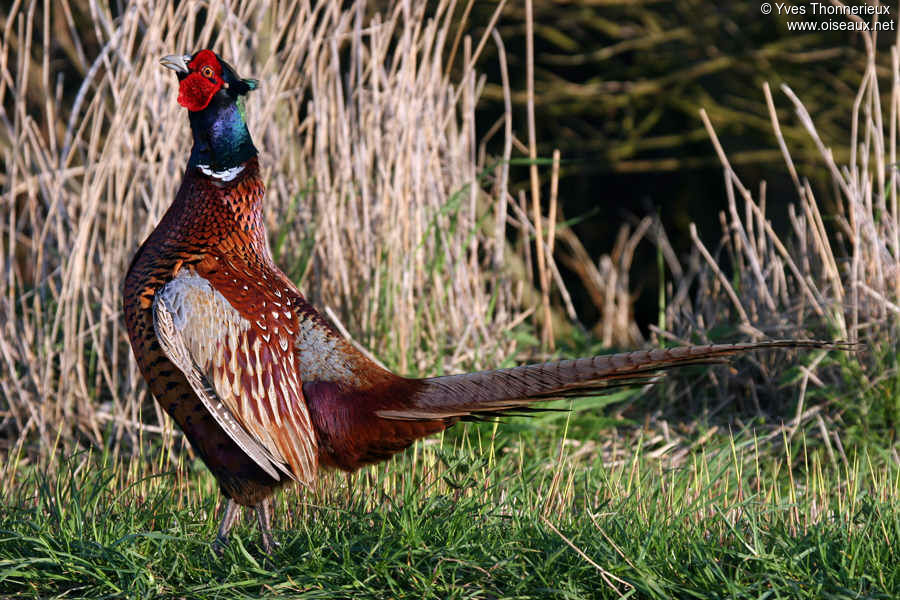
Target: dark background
[{"x": 618, "y": 89}]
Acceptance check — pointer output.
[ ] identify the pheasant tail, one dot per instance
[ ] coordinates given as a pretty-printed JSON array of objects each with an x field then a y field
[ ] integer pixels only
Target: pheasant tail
[{"x": 488, "y": 393}]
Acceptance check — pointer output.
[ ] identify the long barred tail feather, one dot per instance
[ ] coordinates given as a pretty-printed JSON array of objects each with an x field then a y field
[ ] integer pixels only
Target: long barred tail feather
[{"x": 492, "y": 393}]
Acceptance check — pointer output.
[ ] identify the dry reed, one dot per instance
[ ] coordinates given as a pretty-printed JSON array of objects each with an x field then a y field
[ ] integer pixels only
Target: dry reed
[
  {"x": 377, "y": 199},
  {"x": 834, "y": 275},
  {"x": 382, "y": 204}
]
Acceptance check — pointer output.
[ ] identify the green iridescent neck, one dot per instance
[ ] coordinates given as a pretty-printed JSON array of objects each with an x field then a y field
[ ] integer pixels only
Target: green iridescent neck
[{"x": 221, "y": 138}]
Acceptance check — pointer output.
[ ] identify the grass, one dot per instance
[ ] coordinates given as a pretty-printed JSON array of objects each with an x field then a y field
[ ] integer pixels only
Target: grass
[{"x": 516, "y": 515}]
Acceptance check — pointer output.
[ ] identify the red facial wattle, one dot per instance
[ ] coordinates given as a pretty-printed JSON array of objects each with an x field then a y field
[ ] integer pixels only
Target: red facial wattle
[
  {"x": 196, "y": 91},
  {"x": 205, "y": 79}
]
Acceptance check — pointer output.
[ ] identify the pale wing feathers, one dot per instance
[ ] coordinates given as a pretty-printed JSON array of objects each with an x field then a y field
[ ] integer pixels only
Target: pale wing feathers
[
  {"x": 263, "y": 391},
  {"x": 323, "y": 354},
  {"x": 174, "y": 347},
  {"x": 505, "y": 389}
]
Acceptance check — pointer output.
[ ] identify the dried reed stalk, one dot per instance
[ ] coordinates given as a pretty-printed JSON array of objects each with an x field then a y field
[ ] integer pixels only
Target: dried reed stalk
[
  {"x": 837, "y": 277},
  {"x": 374, "y": 197}
]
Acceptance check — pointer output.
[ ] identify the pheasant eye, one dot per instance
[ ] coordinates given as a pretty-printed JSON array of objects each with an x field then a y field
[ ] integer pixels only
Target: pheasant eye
[{"x": 207, "y": 72}]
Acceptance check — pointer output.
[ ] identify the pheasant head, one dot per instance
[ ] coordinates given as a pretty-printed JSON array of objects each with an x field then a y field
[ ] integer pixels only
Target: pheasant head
[{"x": 214, "y": 96}]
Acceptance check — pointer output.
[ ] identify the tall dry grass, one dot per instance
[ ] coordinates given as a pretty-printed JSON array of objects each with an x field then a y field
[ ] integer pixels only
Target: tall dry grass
[
  {"x": 379, "y": 202},
  {"x": 835, "y": 273},
  {"x": 382, "y": 204}
]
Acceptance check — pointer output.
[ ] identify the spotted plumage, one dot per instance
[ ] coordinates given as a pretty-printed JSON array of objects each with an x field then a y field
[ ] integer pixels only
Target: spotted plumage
[{"x": 264, "y": 388}]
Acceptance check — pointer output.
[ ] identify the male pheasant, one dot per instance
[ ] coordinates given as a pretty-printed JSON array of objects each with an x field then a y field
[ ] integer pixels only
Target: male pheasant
[{"x": 264, "y": 388}]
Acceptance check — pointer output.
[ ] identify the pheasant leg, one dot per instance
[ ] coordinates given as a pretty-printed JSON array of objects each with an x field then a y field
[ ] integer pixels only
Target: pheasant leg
[
  {"x": 229, "y": 516},
  {"x": 264, "y": 518}
]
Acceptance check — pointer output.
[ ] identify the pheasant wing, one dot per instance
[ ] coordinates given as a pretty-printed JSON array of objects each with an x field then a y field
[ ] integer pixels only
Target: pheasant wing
[
  {"x": 174, "y": 346},
  {"x": 242, "y": 368}
]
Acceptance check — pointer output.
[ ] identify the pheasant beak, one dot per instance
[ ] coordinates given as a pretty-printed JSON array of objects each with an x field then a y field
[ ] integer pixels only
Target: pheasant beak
[{"x": 177, "y": 63}]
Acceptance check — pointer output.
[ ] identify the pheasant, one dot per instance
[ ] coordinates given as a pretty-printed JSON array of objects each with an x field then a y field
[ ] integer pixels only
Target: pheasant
[{"x": 265, "y": 389}]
